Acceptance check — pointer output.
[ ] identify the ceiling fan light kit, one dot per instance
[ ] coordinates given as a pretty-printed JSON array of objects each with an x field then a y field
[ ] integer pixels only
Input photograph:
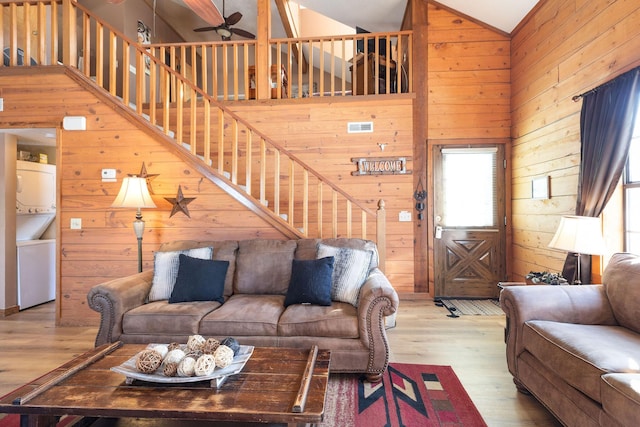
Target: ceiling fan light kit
[{"x": 224, "y": 30}]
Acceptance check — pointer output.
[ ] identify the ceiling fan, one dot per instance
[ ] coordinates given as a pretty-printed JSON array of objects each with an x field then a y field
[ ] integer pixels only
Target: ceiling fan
[{"x": 225, "y": 30}]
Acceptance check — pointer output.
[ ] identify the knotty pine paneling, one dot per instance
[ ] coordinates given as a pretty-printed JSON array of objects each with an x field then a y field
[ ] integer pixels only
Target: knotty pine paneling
[{"x": 565, "y": 48}]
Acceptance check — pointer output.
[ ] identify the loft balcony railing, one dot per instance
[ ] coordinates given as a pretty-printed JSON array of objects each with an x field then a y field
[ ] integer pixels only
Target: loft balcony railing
[
  {"x": 248, "y": 164},
  {"x": 363, "y": 64}
]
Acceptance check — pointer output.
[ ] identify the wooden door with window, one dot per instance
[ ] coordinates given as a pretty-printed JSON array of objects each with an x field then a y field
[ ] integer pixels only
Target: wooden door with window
[{"x": 469, "y": 220}]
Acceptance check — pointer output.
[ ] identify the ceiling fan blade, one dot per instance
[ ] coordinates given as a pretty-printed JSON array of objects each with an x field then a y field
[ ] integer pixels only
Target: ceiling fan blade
[
  {"x": 206, "y": 10},
  {"x": 243, "y": 33},
  {"x": 203, "y": 29},
  {"x": 233, "y": 18}
]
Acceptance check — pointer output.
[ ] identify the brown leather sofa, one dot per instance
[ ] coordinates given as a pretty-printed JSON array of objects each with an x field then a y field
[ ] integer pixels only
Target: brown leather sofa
[
  {"x": 253, "y": 311},
  {"x": 577, "y": 348}
]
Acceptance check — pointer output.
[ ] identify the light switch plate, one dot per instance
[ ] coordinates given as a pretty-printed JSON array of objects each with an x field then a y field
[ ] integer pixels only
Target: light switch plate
[{"x": 76, "y": 224}]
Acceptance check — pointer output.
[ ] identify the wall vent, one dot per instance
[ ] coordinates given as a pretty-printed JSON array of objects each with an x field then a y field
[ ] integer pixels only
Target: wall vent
[{"x": 359, "y": 127}]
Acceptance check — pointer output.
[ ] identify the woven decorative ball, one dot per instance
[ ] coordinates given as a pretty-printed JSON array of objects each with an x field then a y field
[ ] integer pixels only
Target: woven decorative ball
[
  {"x": 173, "y": 346},
  {"x": 195, "y": 342},
  {"x": 210, "y": 346},
  {"x": 223, "y": 356},
  {"x": 147, "y": 361},
  {"x": 205, "y": 365},
  {"x": 174, "y": 356},
  {"x": 186, "y": 367},
  {"x": 194, "y": 353},
  {"x": 170, "y": 369},
  {"x": 163, "y": 349}
]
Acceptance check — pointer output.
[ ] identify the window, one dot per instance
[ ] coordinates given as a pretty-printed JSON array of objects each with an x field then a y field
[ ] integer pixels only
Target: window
[
  {"x": 632, "y": 193},
  {"x": 469, "y": 187}
]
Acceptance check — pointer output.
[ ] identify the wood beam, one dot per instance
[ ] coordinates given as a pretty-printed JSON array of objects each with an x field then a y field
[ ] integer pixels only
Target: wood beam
[
  {"x": 263, "y": 54},
  {"x": 418, "y": 14}
]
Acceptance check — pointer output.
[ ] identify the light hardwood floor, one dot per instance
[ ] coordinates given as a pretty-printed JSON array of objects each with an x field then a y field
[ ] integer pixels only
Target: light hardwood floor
[{"x": 32, "y": 345}]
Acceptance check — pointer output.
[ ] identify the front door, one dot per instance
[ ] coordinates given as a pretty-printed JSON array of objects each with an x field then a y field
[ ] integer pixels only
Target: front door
[{"x": 469, "y": 221}]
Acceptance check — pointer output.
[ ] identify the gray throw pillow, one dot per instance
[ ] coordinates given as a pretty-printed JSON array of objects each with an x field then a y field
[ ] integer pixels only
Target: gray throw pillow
[
  {"x": 350, "y": 270},
  {"x": 165, "y": 270}
]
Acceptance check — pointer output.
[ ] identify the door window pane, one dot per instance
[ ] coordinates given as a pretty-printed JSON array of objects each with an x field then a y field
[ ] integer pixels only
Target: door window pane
[{"x": 469, "y": 187}]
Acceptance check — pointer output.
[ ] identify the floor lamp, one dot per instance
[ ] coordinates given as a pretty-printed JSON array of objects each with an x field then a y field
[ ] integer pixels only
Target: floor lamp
[
  {"x": 580, "y": 235},
  {"x": 134, "y": 193}
]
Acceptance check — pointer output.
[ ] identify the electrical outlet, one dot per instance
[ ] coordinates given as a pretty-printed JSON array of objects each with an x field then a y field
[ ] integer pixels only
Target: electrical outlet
[
  {"x": 404, "y": 216},
  {"x": 76, "y": 224}
]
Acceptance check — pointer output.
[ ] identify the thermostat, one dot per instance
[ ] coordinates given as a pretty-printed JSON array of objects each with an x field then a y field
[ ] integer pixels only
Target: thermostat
[{"x": 108, "y": 175}]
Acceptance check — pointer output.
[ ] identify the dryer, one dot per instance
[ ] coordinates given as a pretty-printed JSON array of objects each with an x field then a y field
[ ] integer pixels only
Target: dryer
[{"x": 35, "y": 211}]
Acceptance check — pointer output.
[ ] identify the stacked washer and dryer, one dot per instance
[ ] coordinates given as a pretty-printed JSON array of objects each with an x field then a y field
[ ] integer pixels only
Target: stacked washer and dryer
[{"x": 35, "y": 211}]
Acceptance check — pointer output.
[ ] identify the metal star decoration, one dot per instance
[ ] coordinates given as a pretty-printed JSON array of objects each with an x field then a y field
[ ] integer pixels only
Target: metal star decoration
[
  {"x": 149, "y": 176},
  {"x": 180, "y": 203}
]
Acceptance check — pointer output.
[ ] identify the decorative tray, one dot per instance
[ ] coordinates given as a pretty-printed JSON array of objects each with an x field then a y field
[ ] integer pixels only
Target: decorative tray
[{"x": 217, "y": 378}]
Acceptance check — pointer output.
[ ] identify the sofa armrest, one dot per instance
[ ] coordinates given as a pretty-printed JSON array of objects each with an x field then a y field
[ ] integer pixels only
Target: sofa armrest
[
  {"x": 585, "y": 304},
  {"x": 377, "y": 300},
  {"x": 113, "y": 299}
]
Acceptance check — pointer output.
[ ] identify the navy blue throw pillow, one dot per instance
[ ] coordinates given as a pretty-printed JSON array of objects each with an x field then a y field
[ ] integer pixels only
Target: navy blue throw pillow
[
  {"x": 310, "y": 282},
  {"x": 199, "y": 280}
]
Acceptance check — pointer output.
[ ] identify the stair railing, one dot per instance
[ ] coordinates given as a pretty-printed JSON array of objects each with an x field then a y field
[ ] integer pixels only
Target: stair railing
[{"x": 241, "y": 158}]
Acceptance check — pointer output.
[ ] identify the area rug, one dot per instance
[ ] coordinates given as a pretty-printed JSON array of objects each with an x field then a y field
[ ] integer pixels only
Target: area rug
[
  {"x": 471, "y": 307},
  {"x": 409, "y": 395}
]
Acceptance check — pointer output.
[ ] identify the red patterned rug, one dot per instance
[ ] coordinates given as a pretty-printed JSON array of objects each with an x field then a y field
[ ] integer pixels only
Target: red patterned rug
[{"x": 409, "y": 395}]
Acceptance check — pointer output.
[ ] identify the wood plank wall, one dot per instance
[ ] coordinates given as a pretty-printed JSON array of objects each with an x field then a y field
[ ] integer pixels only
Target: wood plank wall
[
  {"x": 564, "y": 48},
  {"x": 105, "y": 247},
  {"x": 315, "y": 130},
  {"x": 468, "y": 85}
]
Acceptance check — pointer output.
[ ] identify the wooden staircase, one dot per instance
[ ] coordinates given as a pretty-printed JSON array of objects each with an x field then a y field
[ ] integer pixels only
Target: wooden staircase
[{"x": 224, "y": 148}]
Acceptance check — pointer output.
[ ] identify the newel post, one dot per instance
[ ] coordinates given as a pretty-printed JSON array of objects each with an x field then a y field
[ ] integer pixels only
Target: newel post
[
  {"x": 381, "y": 233},
  {"x": 69, "y": 35}
]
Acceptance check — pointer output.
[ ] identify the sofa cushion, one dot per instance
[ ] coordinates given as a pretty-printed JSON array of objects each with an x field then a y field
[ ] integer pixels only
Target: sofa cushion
[
  {"x": 199, "y": 280},
  {"x": 162, "y": 318},
  {"x": 264, "y": 266},
  {"x": 621, "y": 278},
  {"x": 245, "y": 315},
  {"x": 308, "y": 248},
  {"x": 581, "y": 354},
  {"x": 340, "y": 320},
  {"x": 621, "y": 397},
  {"x": 165, "y": 270},
  {"x": 310, "y": 282},
  {"x": 350, "y": 270},
  {"x": 223, "y": 250}
]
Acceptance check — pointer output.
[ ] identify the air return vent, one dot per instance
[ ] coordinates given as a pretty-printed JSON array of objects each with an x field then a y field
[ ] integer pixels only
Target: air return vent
[{"x": 359, "y": 127}]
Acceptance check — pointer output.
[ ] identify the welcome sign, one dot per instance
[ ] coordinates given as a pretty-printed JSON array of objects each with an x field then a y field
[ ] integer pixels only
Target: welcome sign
[{"x": 381, "y": 166}]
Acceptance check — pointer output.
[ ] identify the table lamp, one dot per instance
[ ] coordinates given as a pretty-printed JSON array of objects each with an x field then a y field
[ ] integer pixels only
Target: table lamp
[
  {"x": 581, "y": 235},
  {"x": 134, "y": 193}
]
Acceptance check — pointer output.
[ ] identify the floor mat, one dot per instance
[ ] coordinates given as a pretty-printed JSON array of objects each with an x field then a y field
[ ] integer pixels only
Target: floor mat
[{"x": 471, "y": 307}]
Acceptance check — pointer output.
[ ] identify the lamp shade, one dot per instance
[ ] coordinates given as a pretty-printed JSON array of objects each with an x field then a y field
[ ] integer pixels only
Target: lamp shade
[
  {"x": 134, "y": 193},
  {"x": 579, "y": 234}
]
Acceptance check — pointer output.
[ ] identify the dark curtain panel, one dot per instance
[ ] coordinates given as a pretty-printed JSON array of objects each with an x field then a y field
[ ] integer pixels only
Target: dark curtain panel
[{"x": 606, "y": 126}]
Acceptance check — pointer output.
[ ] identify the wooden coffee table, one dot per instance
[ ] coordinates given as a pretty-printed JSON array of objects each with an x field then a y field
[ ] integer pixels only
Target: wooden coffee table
[{"x": 277, "y": 385}]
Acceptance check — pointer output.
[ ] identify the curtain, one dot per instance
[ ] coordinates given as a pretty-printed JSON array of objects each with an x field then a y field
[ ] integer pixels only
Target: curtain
[{"x": 607, "y": 120}]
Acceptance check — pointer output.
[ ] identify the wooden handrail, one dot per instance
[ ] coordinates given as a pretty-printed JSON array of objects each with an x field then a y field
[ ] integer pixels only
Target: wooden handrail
[{"x": 192, "y": 118}]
